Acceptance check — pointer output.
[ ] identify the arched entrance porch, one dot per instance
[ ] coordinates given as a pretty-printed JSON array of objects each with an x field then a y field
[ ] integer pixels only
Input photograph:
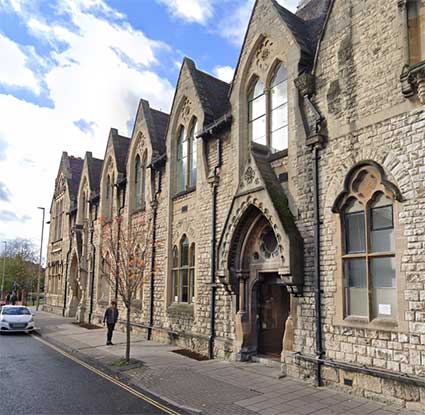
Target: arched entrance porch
[{"x": 265, "y": 309}]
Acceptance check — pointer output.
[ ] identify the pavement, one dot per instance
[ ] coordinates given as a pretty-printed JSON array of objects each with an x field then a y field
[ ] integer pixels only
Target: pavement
[{"x": 211, "y": 387}]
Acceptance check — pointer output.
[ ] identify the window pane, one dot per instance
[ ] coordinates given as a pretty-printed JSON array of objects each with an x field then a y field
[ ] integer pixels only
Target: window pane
[
  {"x": 279, "y": 139},
  {"x": 279, "y": 117},
  {"x": 279, "y": 95},
  {"x": 193, "y": 161},
  {"x": 192, "y": 285},
  {"x": 355, "y": 240},
  {"x": 175, "y": 286},
  {"x": 384, "y": 287},
  {"x": 175, "y": 257},
  {"x": 256, "y": 90},
  {"x": 357, "y": 293},
  {"x": 184, "y": 252},
  {"x": 280, "y": 76},
  {"x": 181, "y": 175},
  {"x": 257, "y": 107},
  {"x": 184, "y": 285},
  {"x": 382, "y": 232},
  {"x": 258, "y": 131}
]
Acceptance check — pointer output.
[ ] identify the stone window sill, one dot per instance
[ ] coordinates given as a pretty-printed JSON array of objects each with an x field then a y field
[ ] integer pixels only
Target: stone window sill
[
  {"x": 278, "y": 155},
  {"x": 382, "y": 324},
  {"x": 181, "y": 308},
  {"x": 140, "y": 210},
  {"x": 184, "y": 192}
]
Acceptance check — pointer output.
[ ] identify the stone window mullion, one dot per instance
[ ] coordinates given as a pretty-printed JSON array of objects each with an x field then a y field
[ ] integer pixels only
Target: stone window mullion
[
  {"x": 267, "y": 92},
  {"x": 368, "y": 274}
]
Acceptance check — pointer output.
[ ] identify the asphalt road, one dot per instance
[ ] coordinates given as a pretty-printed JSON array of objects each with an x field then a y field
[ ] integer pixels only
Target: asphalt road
[{"x": 35, "y": 379}]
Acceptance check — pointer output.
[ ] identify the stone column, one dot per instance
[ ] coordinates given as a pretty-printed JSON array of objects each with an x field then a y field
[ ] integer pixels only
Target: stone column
[{"x": 242, "y": 318}]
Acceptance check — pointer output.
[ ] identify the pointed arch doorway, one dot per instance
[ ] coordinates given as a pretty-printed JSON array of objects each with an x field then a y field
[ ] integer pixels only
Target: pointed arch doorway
[
  {"x": 262, "y": 300},
  {"x": 272, "y": 306}
]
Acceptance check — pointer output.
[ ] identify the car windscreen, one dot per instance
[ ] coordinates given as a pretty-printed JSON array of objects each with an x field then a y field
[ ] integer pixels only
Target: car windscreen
[{"x": 15, "y": 311}]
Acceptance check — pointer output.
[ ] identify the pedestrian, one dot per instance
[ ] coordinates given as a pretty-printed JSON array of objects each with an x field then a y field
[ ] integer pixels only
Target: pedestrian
[
  {"x": 111, "y": 318},
  {"x": 13, "y": 299},
  {"x": 8, "y": 298}
]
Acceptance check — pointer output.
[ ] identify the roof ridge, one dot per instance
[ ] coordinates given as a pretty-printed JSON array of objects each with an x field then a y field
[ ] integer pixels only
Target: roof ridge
[
  {"x": 289, "y": 11},
  {"x": 212, "y": 76}
]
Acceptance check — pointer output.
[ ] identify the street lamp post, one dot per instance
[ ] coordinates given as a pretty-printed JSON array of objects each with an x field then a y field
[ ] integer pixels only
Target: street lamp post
[
  {"x": 39, "y": 264},
  {"x": 4, "y": 268}
]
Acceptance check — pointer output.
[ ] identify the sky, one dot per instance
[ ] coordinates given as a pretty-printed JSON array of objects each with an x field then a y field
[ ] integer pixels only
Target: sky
[{"x": 72, "y": 69}]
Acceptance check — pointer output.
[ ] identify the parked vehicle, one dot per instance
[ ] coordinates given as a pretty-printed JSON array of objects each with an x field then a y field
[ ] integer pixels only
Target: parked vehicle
[{"x": 16, "y": 318}]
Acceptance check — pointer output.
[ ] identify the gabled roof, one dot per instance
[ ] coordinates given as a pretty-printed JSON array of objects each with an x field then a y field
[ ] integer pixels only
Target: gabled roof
[
  {"x": 76, "y": 167},
  {"x": 298, "y": 27},
  {"x": 94, "y": 168},
  {"x": 314, "y": 15},
  {"x": 213, "y": 92},
  {"x": 160, "y": 122},
  {"x": 120, "y": 145},
  {"x": 306, "y": 25}
]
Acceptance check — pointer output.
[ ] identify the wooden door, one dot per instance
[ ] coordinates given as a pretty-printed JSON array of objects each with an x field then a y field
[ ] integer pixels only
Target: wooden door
[{"x": 273, "y": 305}]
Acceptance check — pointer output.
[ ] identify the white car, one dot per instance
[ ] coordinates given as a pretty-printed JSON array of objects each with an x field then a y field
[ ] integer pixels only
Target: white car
[{"x": 16, "y": 318}]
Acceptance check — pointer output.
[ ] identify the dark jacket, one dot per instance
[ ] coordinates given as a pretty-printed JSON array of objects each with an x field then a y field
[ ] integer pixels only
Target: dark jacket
[{"x": 111, "y": 315}]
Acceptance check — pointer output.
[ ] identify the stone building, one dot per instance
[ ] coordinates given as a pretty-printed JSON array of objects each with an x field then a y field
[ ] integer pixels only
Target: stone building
[{"x": 287, "y": 206}]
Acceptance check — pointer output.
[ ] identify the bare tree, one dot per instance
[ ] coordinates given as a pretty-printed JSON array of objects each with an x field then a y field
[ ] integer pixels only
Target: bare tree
[{"x": 124, "y": 250}]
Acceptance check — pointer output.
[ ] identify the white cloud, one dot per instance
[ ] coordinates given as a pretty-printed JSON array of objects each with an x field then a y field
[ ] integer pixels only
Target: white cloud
[
  {"x": 98, "y": 69},
  {"x": 13, "y": 69},
  {"x": 193, "y": 11},
  {"x": 225, "y": 73}
]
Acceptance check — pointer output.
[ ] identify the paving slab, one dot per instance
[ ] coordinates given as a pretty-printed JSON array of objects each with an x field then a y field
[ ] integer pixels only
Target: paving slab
[{"x": 208, "y": 387}]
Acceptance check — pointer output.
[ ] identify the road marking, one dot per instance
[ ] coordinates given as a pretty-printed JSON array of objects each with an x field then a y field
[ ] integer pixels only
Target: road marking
[{"x": 107, "y": 377}]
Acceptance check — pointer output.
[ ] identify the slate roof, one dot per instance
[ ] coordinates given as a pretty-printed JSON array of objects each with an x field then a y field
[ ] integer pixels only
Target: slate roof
[
  {"x": 160, "y": 123},
  {"x": 121, "y": 145},
  {"x": 314, "y": 15},
  {"x": 212, "y": 91},
  {"x": 94, "y": 167},
  {"x": 76, "y": 166}
]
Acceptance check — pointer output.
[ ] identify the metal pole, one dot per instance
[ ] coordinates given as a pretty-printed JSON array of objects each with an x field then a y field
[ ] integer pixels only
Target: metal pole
[
  {"x": 4, "y": 268},
  {"x": 41, "y": 253}
]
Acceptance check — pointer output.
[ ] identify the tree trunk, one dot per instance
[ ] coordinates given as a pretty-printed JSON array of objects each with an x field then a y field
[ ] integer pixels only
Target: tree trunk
[{"x": 127, "y": 347}]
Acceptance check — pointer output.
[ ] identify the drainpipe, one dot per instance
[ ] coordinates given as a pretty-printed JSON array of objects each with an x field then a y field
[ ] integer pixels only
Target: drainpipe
[
  {"x": 66, "y": 270},
  {"x": 93, "y": 261},
  {"x": 153, "y": 252},
  {"x": 214, "y": 182},
  {"x": 318, "y": 296},
  {"x": 120, "y": 210}
]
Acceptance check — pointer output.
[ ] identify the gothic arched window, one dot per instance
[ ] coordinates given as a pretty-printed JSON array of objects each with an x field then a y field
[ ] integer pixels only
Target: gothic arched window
[
  {"x": 192, "y": 154},
  {"x": 366, "y": 210},
  {"x": 268, "y": 111},
  {"x": 279, "y": 109},
  {"x": 182, "y": 153},
  {"x": 186, "y": 158},
  {"x": 257, "y": 113},
  {"x": 183, "y": 271},
  {"x": 138, "y": 183}
]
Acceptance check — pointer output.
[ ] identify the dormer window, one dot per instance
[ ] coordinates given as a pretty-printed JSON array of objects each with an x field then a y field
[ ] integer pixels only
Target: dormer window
[
  {"x": 268, "y": 111},
  {"x": 187, "y": 158}
]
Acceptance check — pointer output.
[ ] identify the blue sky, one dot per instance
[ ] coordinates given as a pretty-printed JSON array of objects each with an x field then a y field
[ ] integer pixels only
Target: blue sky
[{"x": 72, "y": 69}]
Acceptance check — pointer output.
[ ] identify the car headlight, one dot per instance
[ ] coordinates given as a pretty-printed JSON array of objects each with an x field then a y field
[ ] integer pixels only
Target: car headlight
[
  {"x": 3, "y": 319},
  {"x": 31, "y": 320}
]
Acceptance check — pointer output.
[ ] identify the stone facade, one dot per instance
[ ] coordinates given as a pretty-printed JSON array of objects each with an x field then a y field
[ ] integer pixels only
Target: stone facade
[{"x": 355, "y": 128}]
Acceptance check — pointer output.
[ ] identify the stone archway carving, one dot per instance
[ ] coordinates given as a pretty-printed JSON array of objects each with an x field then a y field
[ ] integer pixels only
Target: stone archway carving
[
  {"x": 242, "y": 211},
  {"x": 254, "y": 255}
]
